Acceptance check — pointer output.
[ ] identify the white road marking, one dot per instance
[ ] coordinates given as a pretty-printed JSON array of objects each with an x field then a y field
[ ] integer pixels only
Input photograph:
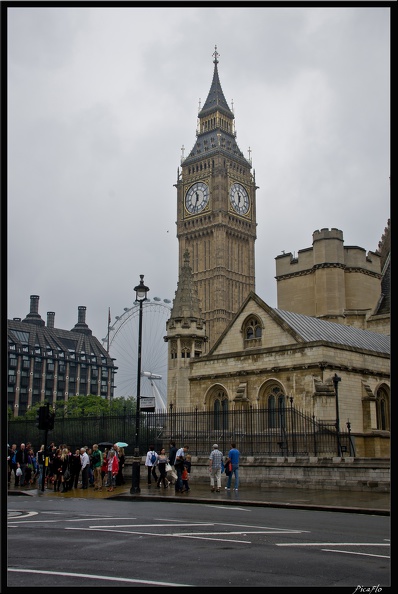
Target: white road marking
[
  {"x": 332, "y": 544},
  {"x": 212, "y": 539},
  {"x": 149, "y": 525},
  {"x": 230, "y": 507},
  {"x": 243, "y": 532},
  {"x": 99, "y": 577},
  {"x": 17, "y": 521},
  {"x": 354, "y": 553},
  {"x": 159, "y": 535},
  {"x": 25, "y": 514}
]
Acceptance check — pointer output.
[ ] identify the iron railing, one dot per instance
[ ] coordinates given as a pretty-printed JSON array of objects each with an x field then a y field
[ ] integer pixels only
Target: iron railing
[{"x": 282, "y": 431}]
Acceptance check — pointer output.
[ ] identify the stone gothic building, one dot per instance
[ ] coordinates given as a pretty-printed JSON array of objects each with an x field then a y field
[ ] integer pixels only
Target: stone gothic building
[{"x": 227, "y": 348}]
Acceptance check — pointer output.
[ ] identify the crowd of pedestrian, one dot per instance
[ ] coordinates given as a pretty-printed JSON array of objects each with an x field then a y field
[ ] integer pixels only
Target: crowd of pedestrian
[
  {"x": 86, "y": 467},
  {"x": 63, "y": 470}
]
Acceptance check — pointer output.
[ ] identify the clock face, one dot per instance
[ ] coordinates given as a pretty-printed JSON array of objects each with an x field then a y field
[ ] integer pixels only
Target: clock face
[
  {"x": 197, "y": 197},
  {"x": 239, "y": 199}
]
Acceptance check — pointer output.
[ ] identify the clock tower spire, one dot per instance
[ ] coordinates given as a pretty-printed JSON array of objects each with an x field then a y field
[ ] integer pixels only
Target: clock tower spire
[{"x": 216, "y": 213}]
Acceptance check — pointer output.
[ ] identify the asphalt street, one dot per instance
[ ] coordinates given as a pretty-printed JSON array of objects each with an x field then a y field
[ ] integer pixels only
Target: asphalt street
[{"x": 86, "y": 540}]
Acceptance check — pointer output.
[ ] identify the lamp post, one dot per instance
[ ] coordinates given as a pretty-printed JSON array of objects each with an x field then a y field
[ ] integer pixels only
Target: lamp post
[
  {"x": 336, "y": 380},
  {"x": 140, "y": 295}
]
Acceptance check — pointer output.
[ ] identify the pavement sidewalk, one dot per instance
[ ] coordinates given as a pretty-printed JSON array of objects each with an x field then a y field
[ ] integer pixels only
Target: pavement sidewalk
[{"x": 364, "y": 502}]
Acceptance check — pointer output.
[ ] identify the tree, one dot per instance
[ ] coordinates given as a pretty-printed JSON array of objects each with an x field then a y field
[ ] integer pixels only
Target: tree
[
  {"x": 77, "y": 406},
  {"x": 122, "y": 405}
]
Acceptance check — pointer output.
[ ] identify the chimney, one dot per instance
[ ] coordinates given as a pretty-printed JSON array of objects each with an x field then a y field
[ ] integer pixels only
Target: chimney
[
  {"x": 33, "y": 316},
  {"x": 50, "y": 319},
  {"x": 34, "y": 304},
  {"x": 81, "y": 314},
  {"x": 81, "y": 325}
]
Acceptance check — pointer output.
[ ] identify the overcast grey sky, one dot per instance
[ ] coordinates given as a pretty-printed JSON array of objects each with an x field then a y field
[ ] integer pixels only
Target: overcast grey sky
[{"x": 101, "y": 100}]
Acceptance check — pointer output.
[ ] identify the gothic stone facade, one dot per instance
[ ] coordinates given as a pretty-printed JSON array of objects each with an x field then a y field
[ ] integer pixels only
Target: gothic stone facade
[{"x": 248, "y": 369}]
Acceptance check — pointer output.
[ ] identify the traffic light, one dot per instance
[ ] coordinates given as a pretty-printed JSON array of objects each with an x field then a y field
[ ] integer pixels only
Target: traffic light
[
  {"x": 45, "y": 418},
  {"x": 41, "y": 417},
  {"x": 50, "y": 420}
]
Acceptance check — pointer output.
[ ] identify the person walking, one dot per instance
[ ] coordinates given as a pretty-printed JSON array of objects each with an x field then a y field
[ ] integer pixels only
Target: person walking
[
  {"x": 172, "y": 458},
  {"x": 22, "y": 463},
  {"x": 185, "y": 479},
  {"x": 162, "y": 461},
  {"x": 215, "y": 460},
  {"x": 150, "y": 463},
  {"x": 233, "y": 456},
  {"x": 179, "y": 466}
]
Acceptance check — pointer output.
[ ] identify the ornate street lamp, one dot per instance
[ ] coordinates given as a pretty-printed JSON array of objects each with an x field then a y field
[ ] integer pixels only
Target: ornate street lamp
[{"x": 140, "y": 295}]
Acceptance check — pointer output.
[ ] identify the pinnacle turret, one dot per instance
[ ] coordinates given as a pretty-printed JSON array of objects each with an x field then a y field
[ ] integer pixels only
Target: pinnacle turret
[{"x": 186, "y": 303}]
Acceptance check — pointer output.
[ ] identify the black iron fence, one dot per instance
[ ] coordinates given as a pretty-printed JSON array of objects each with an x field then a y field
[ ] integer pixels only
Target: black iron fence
[{"x": 257, "y": 432}]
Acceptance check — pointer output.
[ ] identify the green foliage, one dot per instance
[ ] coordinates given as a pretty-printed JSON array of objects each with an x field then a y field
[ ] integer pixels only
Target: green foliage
[
  {"x": 78, "y": 406},
  {"x": 124, "y": 405},
  {"x": 83, "y": 406},
  {"x": 32, "y": 412}
]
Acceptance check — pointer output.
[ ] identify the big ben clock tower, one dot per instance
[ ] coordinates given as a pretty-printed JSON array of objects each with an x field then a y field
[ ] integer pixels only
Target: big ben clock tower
[{"x": 216, "y": 213}]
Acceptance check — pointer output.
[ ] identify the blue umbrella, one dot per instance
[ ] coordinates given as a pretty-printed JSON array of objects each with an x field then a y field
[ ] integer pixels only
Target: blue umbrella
[{"x": 121, "y": 444}]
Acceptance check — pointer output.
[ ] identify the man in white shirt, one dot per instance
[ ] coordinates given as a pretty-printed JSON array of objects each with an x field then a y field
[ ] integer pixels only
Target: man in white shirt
[{"x": 85, "y": 462}]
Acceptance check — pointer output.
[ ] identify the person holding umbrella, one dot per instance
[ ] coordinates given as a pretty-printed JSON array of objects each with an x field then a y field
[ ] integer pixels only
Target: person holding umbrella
[{"x": 119, "y": 477}]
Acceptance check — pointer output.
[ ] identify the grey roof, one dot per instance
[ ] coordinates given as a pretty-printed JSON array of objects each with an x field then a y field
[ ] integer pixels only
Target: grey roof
[
  {"x": 209, "y": 143},
  {"x": 215, "y": 99},
  {"x": 217, "y": 140},
  {"x": 31, "y": 335},
  {"x": 313, "y": 329}
]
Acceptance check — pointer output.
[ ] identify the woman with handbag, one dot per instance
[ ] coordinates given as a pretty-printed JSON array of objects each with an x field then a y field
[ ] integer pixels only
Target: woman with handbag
[{"x": 162, "y": 463}]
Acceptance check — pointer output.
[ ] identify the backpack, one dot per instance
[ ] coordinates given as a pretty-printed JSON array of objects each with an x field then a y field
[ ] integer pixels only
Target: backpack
[{"x": 153, "y": 458}]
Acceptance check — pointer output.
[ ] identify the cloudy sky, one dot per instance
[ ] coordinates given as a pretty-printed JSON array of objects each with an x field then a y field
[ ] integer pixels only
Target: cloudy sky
[{"x": 101, "y": 100}]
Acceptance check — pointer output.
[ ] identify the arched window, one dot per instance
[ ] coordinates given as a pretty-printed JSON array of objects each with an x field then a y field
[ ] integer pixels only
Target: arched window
[
  {"x": 220, "y": 411},
  {"x": 253, "y": 332},
  {"x": 271, "y": 411},
  {"x": 275, "y": 407},
  {"x": 382, "y": 408}
]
